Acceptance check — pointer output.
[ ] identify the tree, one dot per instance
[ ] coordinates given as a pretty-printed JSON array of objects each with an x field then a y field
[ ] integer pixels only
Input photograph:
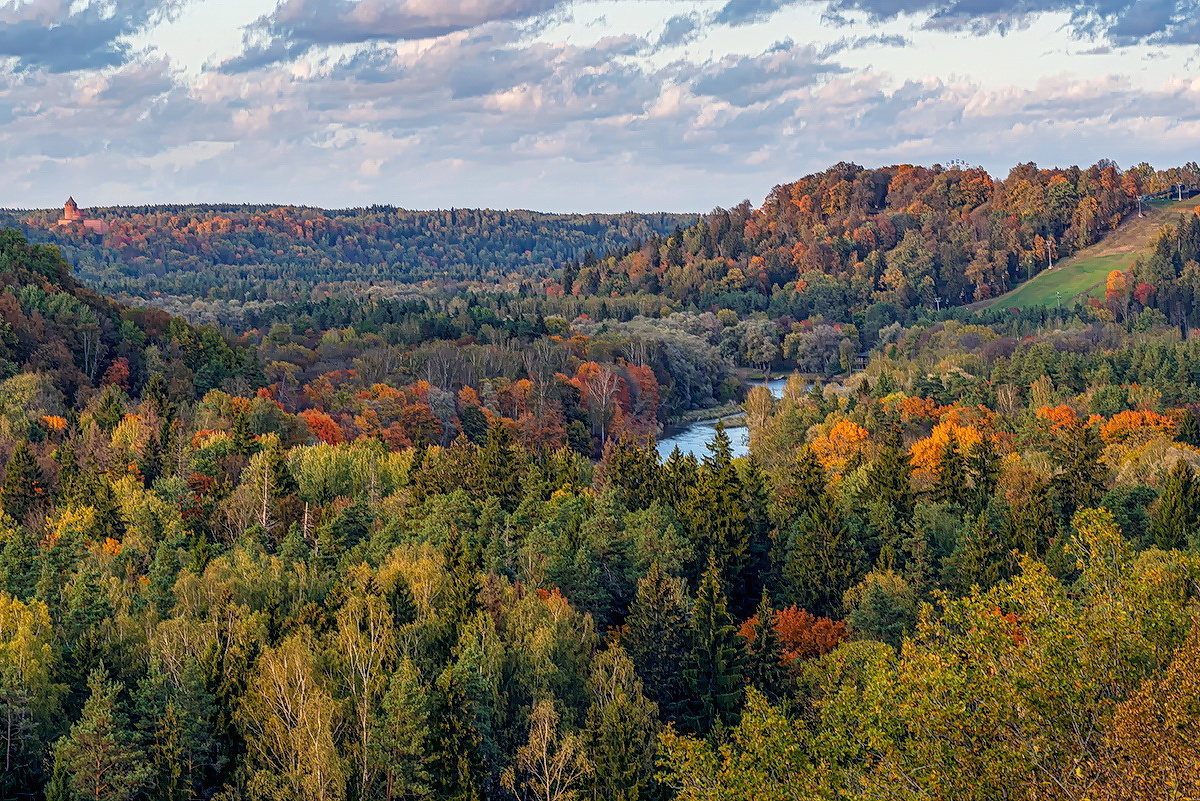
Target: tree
[
  {"x": 29, "y": 697},
  {"x": 712, "y": 671},
  {"x": 1151, "y": 746},
  {"x": 100, "y": 755},
  {"x": 655, "y": 637},
  {"x": 1176, "y": 515},
  {"x": 980, "y": 559},
  {"x": 400, "y": 742},
  {"x": 288, "y": 719},
  {"x": 552, "y": 765},
  {"x": 883, "y": 606},
  {"x": 814, "y": 560},
  {"x": 621, "y": 729},
  {"x": 763, "y": 650},
  {"x": 1078, "y": 453},
  {"x": 716, "y": 516},
  {"x": 24, "y": 487}
]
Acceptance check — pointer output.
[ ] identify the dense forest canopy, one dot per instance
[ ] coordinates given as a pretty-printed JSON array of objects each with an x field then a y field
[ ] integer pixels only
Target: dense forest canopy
[{"x": 420, "y": 545}]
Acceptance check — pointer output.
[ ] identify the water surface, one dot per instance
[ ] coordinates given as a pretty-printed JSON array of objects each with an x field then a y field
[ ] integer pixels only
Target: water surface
[{"x": 694, "y": 437}]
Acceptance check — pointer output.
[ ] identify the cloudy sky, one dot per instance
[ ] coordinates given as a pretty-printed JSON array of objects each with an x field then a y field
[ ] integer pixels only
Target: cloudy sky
[{"x": 590, "y": 105}]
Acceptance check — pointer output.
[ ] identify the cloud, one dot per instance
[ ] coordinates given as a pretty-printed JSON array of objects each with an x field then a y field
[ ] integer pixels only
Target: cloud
[
  {"x": 744, "y": 12},
  {"x": 297, "y": 26},
  {"x": 680, "y": 29},
  {"x": 64, "y": 36},
  {"x": 1122, "y": 22},
  {"x": 746, "y": 80}
]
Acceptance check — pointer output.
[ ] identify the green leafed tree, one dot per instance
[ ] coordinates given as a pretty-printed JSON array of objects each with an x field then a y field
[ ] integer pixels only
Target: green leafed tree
[{"x": 100, "y": 755}]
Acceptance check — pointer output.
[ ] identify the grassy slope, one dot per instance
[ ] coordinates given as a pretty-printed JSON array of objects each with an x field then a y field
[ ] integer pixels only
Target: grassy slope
[{"x": 1085, "y": 272}]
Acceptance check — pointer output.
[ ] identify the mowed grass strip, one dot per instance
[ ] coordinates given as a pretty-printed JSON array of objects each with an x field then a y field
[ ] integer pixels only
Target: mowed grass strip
[{"x": 1085, "y": 273}]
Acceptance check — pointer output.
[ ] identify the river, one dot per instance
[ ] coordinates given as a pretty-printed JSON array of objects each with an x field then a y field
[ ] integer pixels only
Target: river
[{"x": 694, "y": 437}]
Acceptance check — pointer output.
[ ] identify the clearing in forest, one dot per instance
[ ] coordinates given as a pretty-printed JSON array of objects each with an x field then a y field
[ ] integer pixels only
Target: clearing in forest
[{"x": 1084, "y": 273}]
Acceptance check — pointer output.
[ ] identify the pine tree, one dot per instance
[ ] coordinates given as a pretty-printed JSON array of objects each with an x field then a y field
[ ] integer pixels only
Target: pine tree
[
  {"x": 621, "y": 729},
  {"x": 983, "y": 468},
  {"x": 815, "y": 561},
  {"x": 100, "y": 755},
  {"x": 655, "y": 637},
  {"x": 713, "y": 668},
  {"x": 1174, "y": 519},
  {"x": 454, "y": 742},
  {"x": 764, "y": 652},
  {"x": 716, "y": 516},
  {"x": 24, "y": 487},
  {"x": 402, "y": 736},
  {"x": 951, "y": 484}
]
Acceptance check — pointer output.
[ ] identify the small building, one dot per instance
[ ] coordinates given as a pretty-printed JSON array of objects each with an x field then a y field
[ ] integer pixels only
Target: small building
[{"x": 72, "y": 215}]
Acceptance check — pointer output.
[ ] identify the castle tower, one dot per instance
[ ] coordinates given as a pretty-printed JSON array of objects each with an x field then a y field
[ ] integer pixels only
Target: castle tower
[{"x": 71, "y": 212}]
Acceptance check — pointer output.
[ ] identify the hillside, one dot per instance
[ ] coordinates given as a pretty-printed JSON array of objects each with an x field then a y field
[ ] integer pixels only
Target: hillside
[
  {"x": 1084, "y": 273},
  {"x": 61, "y": 342},
  {"x": 269, "y": 253}
]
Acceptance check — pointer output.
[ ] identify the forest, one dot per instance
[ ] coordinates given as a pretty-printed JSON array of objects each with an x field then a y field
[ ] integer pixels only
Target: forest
[{"x": 421, "y": 545}]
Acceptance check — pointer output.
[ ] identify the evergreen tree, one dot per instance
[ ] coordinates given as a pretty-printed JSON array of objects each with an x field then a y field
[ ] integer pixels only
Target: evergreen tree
[
  {"x": 800, "y": 489},
  {"x": 455, "y": 771},
  {"x": 177, "y": 722},
  {"x": 815, "y": 561},
  {"x": 402, "y": 603},
  {"x": 983, "y": 468},
  {"x": 980, "y": 559},
  {"x": 100, "y": 755},
  {"x": 1189, "y": 429},
  {"x": 951, "y": 476},
  {"x": 621, "y": 728},
  {"x": 402, "y": 737},
  {"x": 499, "y": 467},
  {"x": 634, "y": 469},
  {"x": 1176, "y": 515},
  {"x": 890, "y": 498},
  {"x": 24, "y": 486},
  {"x": 764, "y": 652},
  {"x": 1079, "y": 455},
  {"x": 474, "y": 424},
  {"x": 716, "y": 516},
  {"x": 713, "y": 668},
  {"x": 655, "y": 637}
]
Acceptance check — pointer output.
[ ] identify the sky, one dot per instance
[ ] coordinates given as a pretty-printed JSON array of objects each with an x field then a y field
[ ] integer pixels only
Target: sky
[{"x": 571, "y": 105}]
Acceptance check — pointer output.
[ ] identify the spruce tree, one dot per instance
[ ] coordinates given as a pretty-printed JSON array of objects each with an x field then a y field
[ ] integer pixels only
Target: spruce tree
[
  {"x": 716, "y": 516},
  {"x": 979, "y": 560},
  {"x": 815, "y": 560},
  {"x": 983, "y": 469},
  {"x": 799, "y": 490},
  {"x": 100, "y": 755},
  {"x": 1174, "y": 519},
  {"x": 1079, "y": 455},
  {"x": 24, "y": 487},
  {"x": 713, "y": 670},
  {"x": 951, "y": 484},
  {"x": 764, "y": 652},
  {"x": 621, "y": 729},
  {"x": 455, "y": 742},
  {"x": 655, "y": 637},
  {"x": 400, "y": 745}
]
